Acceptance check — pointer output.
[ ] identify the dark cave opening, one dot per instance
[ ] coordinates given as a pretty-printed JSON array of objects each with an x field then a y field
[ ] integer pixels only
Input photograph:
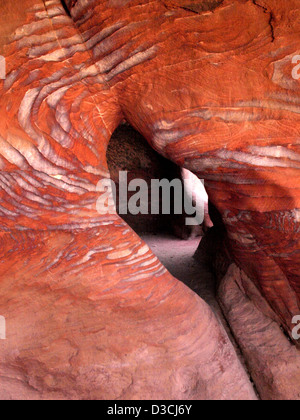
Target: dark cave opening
[
  {"x": 129, "y": 152},
  {"x": 174, "y": 243}
]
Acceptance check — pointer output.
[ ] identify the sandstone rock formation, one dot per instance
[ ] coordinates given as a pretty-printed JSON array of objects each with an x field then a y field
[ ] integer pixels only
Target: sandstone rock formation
[
  {"x": 90, "y": 311},
  {"x": 273, "y": 361}
]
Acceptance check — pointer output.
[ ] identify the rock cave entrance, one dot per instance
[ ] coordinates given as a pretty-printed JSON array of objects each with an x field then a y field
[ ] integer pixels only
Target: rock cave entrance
[
  {"x": 86, "y": 309},
  {"x": 200, "y": 260},
  {"x": 176, "y": 245},
  {"x": 188, "y": 253}
]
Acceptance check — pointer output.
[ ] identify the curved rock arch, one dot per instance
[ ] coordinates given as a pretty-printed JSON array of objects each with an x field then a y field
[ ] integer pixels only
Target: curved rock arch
[{"x": 69, "y": 84}]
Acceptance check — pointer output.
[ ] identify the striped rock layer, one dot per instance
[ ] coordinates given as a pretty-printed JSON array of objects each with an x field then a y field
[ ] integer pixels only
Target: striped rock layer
[
  {"x": 90, "y": 311},
  {"x": 223, "y": 103}
]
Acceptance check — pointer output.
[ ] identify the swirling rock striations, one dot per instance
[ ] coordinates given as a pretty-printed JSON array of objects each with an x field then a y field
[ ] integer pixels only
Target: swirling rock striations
[
  {"x": 225, "y": 105},
  {"x": 103, "y": 319},
  {"x": 90, "y": 312}
]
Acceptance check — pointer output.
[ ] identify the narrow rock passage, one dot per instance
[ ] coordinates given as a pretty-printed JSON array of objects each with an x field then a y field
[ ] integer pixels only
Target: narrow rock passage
[{"x": 177, "y": 256}]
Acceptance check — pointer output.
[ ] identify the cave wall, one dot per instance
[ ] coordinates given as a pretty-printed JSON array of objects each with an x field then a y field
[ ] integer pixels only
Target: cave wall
[{"x": 223, "y": 104}]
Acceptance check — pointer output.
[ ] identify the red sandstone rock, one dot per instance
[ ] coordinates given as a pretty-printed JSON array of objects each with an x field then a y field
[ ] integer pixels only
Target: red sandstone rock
[
  {"x": 90, "y": 312},
  {"x": 91, "y": 317},
  {"x": 274, "y": 363}
]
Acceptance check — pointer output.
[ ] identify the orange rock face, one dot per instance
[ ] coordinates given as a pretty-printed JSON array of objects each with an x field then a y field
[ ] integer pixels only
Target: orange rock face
[
  {"x": 213, "y": 86},
  {"x": 224, "y": 104}
]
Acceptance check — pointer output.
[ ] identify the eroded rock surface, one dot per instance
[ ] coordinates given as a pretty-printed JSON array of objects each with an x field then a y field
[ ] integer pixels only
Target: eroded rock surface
[
  {"x": 79, "y": 290},
  {"x": 273, "y": 361}
]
